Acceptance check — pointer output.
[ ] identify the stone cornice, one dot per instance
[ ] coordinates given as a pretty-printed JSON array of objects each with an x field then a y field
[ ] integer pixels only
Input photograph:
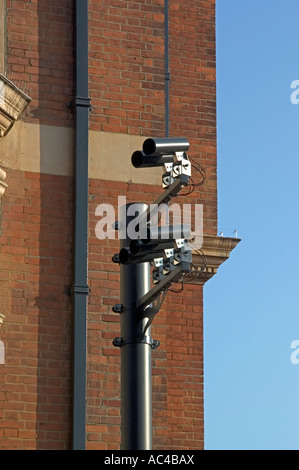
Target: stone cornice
[
  {"x": 214, "y": 252},
  {"x": 3, "y": 185},
  {"x": 13, "y": 103}
]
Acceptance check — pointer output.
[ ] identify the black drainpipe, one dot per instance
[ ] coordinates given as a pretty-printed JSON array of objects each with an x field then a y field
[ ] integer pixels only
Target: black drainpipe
[
  {"x": 80, "y": 281},
  {"x": 167, "y": 71}
]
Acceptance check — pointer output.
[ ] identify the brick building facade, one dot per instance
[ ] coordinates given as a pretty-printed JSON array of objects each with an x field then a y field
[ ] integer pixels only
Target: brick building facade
[{"x": 126, "y": 87}]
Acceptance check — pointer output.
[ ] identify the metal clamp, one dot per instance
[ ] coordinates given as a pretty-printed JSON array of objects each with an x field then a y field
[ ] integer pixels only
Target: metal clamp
[
  {"x": 118, "y": 308},
  {"x": 153, "y": 343}
]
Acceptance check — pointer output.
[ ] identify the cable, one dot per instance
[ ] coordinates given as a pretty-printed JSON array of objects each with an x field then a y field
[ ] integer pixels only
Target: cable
[
  {"x": 178, "y": 291},
  {"x": 152, "y": 315},
  {"x": 192, "y": 276},
  {"x": 192, "y": 185},
  {"x": 200, "y": 169},
  {"x": 204, "y": 258}
]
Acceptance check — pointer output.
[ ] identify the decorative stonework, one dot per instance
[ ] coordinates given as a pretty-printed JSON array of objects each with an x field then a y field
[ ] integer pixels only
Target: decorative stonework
[
  {"x": 215, "y": 251},
  {"x": 3, "y": 185},
  {"x": 13, "y": 103},
  {"x": 2, "y": 35}
]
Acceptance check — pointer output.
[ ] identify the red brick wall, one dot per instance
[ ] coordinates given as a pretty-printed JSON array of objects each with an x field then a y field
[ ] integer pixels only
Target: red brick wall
[
  {"x": 36, "y": 268},
  {"x": 40, "y": 56},
  {"x": 127, "y": 90},
  {"x": 193, "y": 90},
  {"x": 127, "y": 66},
  {"x": 127, "y": 77},
  {"x": 35, "y": 254}
]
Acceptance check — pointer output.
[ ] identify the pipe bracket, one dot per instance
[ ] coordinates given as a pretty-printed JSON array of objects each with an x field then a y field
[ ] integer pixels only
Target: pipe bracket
[{"x": 153, "y": 343}]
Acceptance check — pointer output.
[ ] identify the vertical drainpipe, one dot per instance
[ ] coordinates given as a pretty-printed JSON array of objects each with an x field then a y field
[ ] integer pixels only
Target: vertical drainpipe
[
  {"x": 167, "y": 71},
  {"x": 80, "y": 281}
]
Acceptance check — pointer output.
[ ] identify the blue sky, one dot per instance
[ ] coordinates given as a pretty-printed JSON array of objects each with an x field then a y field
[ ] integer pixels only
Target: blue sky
[{"x": 251, "y": 306}]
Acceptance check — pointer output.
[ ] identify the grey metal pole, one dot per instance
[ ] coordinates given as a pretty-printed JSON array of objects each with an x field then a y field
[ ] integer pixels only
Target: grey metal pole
[
  {"x": 136, "y": 389},
  {"x": 80, "y": 282}
]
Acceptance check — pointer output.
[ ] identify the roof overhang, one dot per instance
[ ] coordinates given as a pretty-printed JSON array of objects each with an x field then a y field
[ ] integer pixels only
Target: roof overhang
[{"x": 213, "y": 253}]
